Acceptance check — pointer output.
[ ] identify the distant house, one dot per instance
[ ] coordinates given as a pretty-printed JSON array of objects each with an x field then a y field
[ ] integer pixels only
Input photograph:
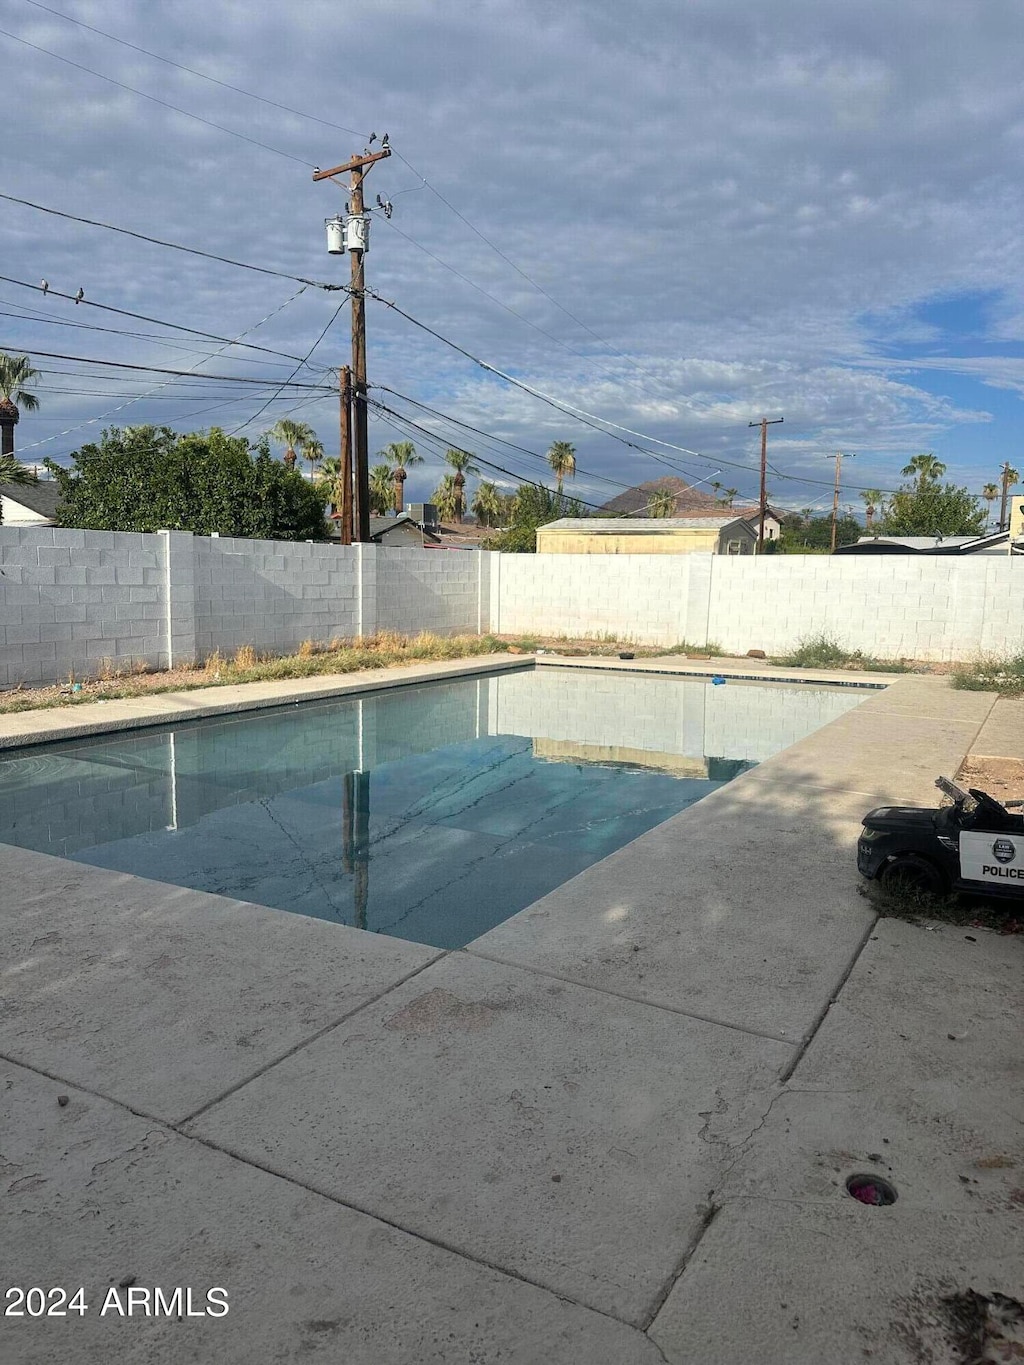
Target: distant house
[
  {"x": 33, "y": 505},
  {"x": 721, "y": 535},
  {"x": 687, "y": 499},
  {"x": 400, "y": 530},
  {"x": 772, "y": 519}
]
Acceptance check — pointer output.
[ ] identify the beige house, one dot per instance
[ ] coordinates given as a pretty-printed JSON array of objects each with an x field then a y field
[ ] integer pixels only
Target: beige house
[{"x": 721, "y": 535}]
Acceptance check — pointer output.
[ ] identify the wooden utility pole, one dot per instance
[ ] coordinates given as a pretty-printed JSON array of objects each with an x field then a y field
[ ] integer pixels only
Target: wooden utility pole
[
  {"x": 835, "y": 500},
  {"x": 345, "y": 415},
  {"x": 357, "y": 167},
  {"x": 764, "y": 424}
]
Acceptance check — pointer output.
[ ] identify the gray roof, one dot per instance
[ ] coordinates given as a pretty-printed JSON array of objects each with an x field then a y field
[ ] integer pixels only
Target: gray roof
[
  {"x": 41, "y": 497},
  {"x": 626, "y": 526}
]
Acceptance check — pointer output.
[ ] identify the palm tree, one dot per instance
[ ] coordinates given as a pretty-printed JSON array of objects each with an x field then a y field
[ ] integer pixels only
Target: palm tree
[
  {"x": 990, "y": 492},
  {"x": 872, "y": 499},
  {"x": 562, "y": 459},
  {"x": 328, "y": 477},
  {"x": 486, "y": 505},
  {"x": 1010, "y": 480},
  {"x": 661, "y": 503},
  {"x": 462, "y": 462},
  {"x": 12, "y": 471},
  {"x": 443, "y": 498},
  {"x": 926, "y": 468},
  {"x": 400, "y": 456},
  {"x": 291, "y": 434},
  {"x": 382, "y": 489},
  {"x": 716, "y": 484},
  {"x": 730, "y": 494},
  {"x": 16, "y": 372},
  {"x": 313, "y": 450}
]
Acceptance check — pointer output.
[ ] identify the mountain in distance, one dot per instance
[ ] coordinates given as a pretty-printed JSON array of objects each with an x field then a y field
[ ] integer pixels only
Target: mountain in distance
[{"x": 687, "y": 499}]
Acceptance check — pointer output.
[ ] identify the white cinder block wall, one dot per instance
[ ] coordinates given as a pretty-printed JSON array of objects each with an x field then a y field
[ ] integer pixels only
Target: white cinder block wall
[{"x": 71, "y": 599}]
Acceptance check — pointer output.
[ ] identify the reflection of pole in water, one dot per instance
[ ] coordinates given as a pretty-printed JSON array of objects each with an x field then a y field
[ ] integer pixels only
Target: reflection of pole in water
[{"x": 355, "y": 842}]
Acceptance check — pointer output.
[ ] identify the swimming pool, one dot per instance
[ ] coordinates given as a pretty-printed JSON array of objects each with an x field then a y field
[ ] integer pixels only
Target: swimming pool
[{"x": 431, "y": 813}]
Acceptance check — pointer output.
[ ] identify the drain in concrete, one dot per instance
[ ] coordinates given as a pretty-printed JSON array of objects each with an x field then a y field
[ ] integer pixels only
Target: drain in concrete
[{"x": 871, "y": 1189}]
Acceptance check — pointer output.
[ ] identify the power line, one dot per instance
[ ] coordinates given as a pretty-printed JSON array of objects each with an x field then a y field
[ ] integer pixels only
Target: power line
[
  {"x": 175, "y": 246},
  {"x": 225, "y": 85},
  {"x": 175, "y": 108},
  {"x": 298, "y": 367},
  {"x": 156, "y": 369},
  {"x": 159, "y": 322}
]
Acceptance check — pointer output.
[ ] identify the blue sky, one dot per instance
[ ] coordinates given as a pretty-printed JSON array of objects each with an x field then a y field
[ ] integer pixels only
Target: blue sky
[{"x": 675, "y": 217}]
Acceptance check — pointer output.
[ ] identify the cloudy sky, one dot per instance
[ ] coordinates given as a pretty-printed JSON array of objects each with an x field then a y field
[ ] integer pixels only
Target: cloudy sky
[{"x": 673, "y": 217}]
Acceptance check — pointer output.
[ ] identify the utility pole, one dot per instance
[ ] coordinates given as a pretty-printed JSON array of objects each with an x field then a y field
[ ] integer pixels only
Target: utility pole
[
  {"x": 356, "y": 242},
  {"x": 345, "y": 446},
  {"x": 835, "y": 499},
  {"x": 764, "y": 424}
]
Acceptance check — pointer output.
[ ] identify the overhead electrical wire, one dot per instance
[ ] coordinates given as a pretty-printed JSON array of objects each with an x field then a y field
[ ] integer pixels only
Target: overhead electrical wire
[
  {"x": 176, "y": 246},
  {"x": 133, "y": 90},
  {"x": 159, "y": 322},
  {"x": 298, "y": 367},
  {"x": 156, "y": 369},
  {"x": 225, "y": 85}
]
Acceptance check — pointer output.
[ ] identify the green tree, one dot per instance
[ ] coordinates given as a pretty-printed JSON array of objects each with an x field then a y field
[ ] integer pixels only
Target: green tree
[
  {"x": 562, "y": 459},
  {"x": 990, "y": 492},
  {"x": 1010, "y": 479},
  {"x": 873, "y": 499},
  {"x": 487, "y": 504},
  {"x": 382, "y": 489},
  {"x": 443, "y": 498},
  {"x": 533, "y": 506},
  {"x": 804, "y": 533},
  {"x": 152, "y": 478},
  {"x": 293, "y": 436},
  {"x": 661, "y": 503},
  {"x": 931, "y": 508},
  {"x": 925, "y": 468},
  {"x": 16, "y": 373},
  {"x": 313, "y": 451},
  {"x": 13, "y": 472},
  {"x": 400, "y": 456},
  {"x": 462, "y": 462},
  {"x": 729, "y": 496}
]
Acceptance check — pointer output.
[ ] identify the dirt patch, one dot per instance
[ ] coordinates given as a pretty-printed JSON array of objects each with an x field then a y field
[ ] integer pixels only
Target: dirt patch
[{"x": 1002, "y": 778}]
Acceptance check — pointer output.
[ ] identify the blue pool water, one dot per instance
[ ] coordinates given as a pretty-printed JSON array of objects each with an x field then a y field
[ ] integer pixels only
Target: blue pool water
[{"x": 431, "y": 813}]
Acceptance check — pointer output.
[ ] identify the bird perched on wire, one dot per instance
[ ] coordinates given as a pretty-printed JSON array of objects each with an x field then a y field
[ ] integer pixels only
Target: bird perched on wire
[
  {"x": 44, "y": 285},
  {"x": 80, "y": 295}
]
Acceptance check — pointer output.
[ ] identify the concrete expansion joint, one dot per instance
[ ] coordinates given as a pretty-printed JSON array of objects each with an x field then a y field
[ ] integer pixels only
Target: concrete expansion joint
[
  {"x": 661, "y": 1005},
  {"x": 708, "y": 1213},
  {"x": 180, "y": 1124}
]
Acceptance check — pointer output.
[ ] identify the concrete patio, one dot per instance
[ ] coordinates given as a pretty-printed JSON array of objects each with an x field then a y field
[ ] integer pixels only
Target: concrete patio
[{"x": 615, "y": 1129}]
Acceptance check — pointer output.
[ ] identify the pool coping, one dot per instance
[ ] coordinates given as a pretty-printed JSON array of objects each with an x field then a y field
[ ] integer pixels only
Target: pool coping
[{"x": 22, "y": 729}]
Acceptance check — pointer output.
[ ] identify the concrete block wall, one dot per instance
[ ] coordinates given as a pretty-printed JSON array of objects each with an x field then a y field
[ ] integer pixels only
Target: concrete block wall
[
  {"x": 445, "y": 591},
  {"x": 272, "y": 595},
  {"x": 645, "y": 598},
  {"x": 71, "y": 599},
  {"x": 892, "y": 606}
]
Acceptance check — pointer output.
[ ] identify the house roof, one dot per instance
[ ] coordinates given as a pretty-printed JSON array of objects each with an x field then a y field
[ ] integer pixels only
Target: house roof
[
  {"x": 926, "y": 545},
  {"x": 41, "y": 497},
  {"x": 380, "y": 526},
  {"x": 646, "y": 526}
]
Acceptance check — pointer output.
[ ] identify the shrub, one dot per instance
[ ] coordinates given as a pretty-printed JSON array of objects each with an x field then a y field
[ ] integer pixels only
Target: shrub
[{"x": 1002, "y": 673}]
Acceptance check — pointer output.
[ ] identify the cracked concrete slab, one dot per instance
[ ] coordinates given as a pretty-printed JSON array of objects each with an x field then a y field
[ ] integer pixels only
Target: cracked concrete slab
[
  {"x": 915, "y": 1075},
  {"x": 789, "y": 1283},
  {"x": 164, "y": 998},
  {"x": 94, "y": 1196},
  {"x": 562, "y": 1134},
  {"x": 743, "y": 909}
]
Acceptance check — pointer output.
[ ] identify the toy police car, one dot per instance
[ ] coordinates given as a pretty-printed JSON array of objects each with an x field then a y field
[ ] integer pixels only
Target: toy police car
[{"x": 975, "y": 844}]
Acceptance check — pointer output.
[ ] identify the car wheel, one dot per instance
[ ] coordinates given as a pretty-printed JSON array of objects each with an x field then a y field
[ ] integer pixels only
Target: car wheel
[{"x": 910, "y": 874}]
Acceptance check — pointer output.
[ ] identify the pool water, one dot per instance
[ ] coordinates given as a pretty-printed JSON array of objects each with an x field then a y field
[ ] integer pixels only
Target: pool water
[{"x": 431, "y": 813}]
